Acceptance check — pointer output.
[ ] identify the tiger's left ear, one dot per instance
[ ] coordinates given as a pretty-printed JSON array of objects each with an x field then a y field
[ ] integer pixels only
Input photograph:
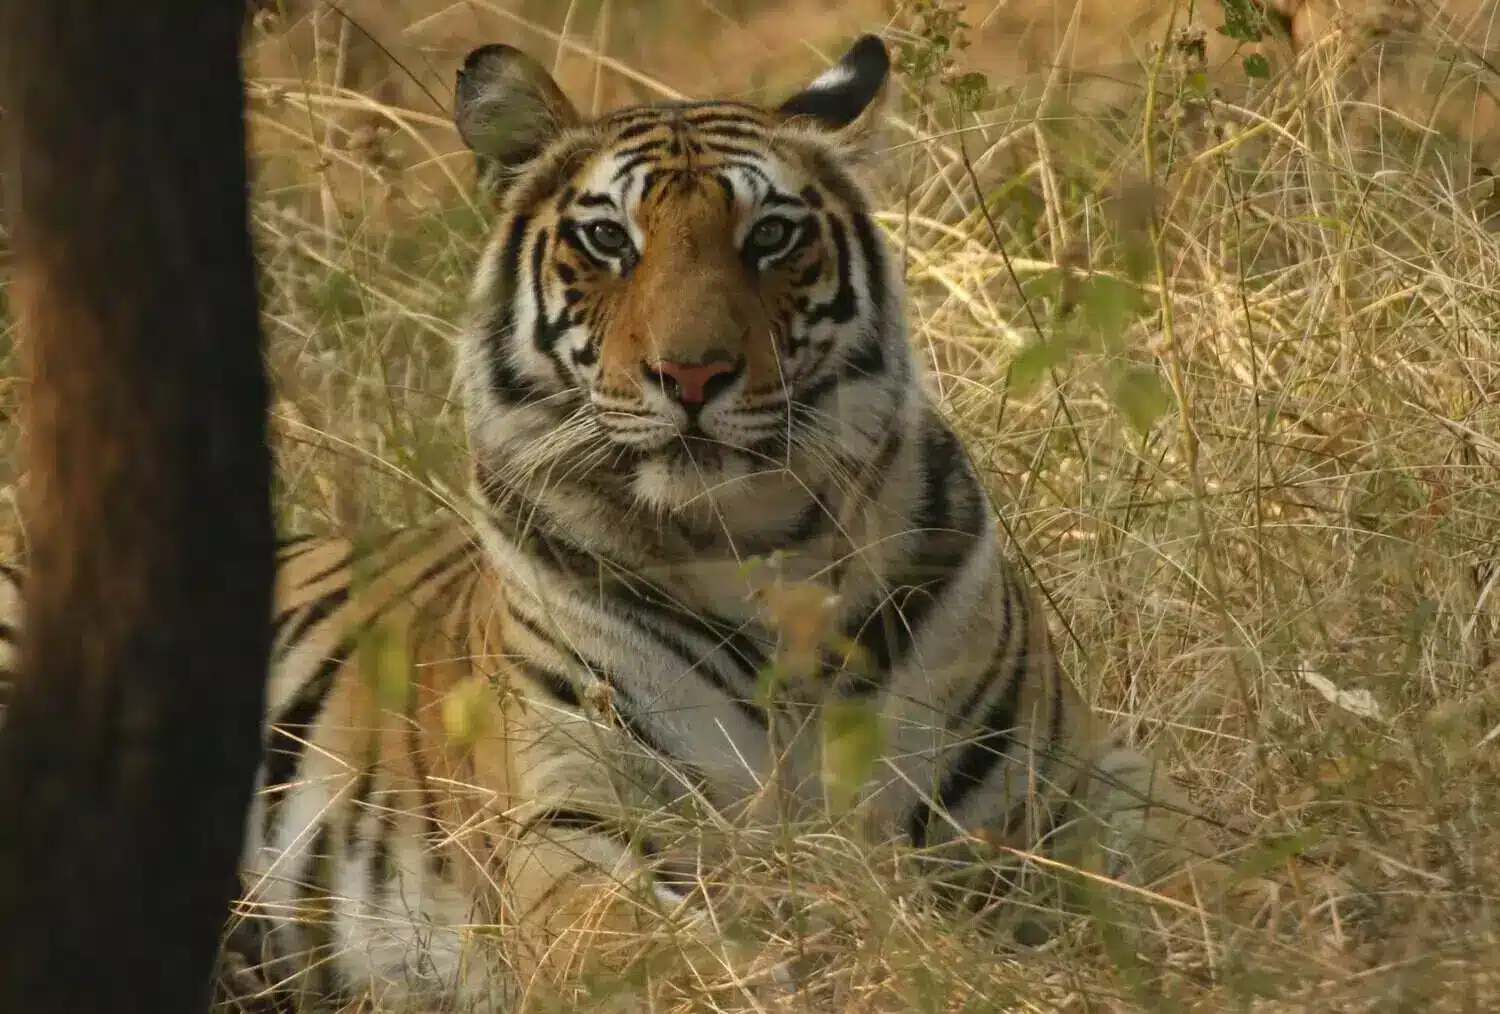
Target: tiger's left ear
[
  {"x": 847, "y": 98},
  {"x": 507, "y": 107}
]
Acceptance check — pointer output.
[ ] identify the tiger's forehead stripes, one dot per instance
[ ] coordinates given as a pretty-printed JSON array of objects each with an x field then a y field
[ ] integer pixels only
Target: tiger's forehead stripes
[
  {"x": 621, "y": 159},
  {"x": 702, "y": 115},
  {"x": 702, "y": 137}
]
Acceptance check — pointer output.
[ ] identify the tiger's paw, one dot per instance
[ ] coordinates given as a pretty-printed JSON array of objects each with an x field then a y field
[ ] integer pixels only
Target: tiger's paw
[{"x": 654, "y": 951}]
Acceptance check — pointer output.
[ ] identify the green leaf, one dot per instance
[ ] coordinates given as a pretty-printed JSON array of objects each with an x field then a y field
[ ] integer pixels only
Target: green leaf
[
  {"x": 926, "y": 992},
  {"x": 1268, "y": 857},
  {"x": 1118, "y": 938},
  {"x": 1109, "y": 306},
  {"x": 1326, "y": 222},
  {"x": 1028, "y": 366},
  {"x": 385, "y": 661},
  {"x": 970, "y": 91},
  {"x": 1243, "y": 20},
  {"x": 466, "y": 711},
  {"x": 1256, "y": 65},
  {"x": 768, "y": 684},
  {"x": 852, "y": 742},
  {"x": 1140, "y": 393},
  {"x": 1137, "y": 256},
  {"x": 1045, "y": 285}
]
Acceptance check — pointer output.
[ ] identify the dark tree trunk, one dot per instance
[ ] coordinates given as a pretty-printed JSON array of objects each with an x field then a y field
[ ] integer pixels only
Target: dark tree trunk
[{"x": 127, "y": 757}]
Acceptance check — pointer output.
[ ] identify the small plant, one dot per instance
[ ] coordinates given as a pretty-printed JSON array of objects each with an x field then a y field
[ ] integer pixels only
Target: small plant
[
  {"x": 1245, "y": 21},
  {"x": 928, "y": 61},
  {"x": 812, "y": 658}
]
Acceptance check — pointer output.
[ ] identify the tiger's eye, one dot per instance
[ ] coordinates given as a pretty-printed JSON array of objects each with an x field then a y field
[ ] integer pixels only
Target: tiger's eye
[
  {"x": 768, "y": 234},
  {"x": 608, "y": 237}
]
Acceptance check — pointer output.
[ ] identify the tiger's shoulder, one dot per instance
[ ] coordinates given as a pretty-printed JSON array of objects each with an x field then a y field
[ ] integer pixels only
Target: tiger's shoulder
[{"x": 421, "y": 592}]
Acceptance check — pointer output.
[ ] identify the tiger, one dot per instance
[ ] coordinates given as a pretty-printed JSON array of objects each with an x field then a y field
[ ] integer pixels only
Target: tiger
[{"x": 685, "y": 352}]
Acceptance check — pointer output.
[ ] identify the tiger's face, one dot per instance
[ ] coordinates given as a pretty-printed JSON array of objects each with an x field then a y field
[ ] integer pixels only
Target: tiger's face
[{"x": 689, "y": 294}]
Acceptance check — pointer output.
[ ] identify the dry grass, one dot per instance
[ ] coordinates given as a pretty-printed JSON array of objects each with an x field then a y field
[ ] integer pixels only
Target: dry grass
[{"x": 1285, "y": 583}]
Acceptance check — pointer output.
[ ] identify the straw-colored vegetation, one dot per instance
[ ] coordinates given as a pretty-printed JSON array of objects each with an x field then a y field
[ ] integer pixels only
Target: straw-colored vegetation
[{"x": 1218, "y": 317}]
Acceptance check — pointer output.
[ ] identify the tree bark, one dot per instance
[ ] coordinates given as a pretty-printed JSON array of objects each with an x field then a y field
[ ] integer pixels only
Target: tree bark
[{"x": 128, "y": 753}]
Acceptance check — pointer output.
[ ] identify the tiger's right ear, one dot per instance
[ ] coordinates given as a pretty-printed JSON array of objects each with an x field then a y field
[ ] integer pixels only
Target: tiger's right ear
[
  {"x": 507, "y": 107},
  {"x": 845, "y": 101}
]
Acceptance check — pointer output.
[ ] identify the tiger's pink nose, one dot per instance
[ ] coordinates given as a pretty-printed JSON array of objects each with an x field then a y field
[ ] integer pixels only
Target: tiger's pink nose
[{"x": 690, "y": 381}]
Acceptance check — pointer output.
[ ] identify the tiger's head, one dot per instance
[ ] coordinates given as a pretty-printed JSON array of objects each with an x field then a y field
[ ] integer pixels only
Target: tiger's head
[{"x": 688, "y": 298}]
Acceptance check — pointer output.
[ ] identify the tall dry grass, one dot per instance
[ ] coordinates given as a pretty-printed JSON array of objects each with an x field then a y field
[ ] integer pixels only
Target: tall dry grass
[{"x": 1225, "y": 346}]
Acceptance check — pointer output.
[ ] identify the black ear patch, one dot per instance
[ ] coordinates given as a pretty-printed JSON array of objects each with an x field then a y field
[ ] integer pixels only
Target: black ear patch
[{"x": 838, "y": 96}]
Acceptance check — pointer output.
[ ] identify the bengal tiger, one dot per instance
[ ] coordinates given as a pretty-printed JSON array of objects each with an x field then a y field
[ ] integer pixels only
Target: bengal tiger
[{"x": 686, "y": 351}]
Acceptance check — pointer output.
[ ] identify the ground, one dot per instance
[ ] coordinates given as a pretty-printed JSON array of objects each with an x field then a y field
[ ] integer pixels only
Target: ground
[{"x": 1215, "y": 314}]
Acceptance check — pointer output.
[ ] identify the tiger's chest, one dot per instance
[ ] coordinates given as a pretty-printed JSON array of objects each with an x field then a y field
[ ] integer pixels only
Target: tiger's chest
[{"x": 715, "y": 665}]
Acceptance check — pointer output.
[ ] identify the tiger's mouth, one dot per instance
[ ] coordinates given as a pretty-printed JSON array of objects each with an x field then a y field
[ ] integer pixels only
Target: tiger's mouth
[
  {"x": 690, "y": 446},
  {"x": 687, "y": 462}
]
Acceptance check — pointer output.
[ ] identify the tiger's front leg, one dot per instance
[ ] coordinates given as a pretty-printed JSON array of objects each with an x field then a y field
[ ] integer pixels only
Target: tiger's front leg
[
  {"x": 587, "y": 900},
  {"x": 477, "y": 846}
]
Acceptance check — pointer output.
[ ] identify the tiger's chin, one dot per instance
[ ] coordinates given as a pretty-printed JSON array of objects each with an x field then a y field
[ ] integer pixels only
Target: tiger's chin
[{"x": 699, "y": 477}]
